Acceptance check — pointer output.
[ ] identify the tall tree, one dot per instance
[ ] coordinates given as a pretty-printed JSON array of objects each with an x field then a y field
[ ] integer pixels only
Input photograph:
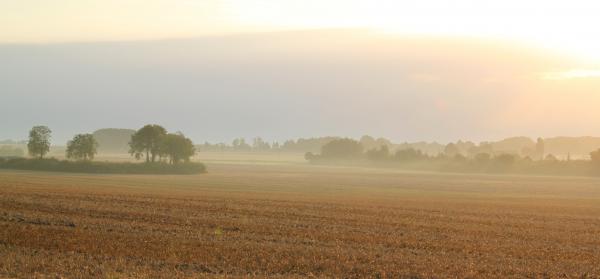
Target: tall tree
[
  {"x": 177, "y": 148},
  {"x": 82, "y": 147},
  {"x": 147, "y": 141},
  {"x": 39, "y": 141}
]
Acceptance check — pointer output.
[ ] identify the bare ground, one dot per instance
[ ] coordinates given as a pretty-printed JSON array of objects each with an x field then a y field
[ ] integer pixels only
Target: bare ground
[{"x": 298, "y": 221}]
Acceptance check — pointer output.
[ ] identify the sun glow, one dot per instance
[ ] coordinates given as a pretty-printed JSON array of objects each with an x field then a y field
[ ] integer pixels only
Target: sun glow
[{"x": 568, "y": 26}]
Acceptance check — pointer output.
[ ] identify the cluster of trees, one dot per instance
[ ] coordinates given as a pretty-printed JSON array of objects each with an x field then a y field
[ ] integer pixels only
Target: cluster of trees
[
  {"x": 560, "y": 147},
  {"x": 258, "y": 144},
  {"x": 481, "y": 158},
  {"x": 81, "y": 147},
  {"x": 349, "y": 149},
  {"x": 153, "y": 143}
]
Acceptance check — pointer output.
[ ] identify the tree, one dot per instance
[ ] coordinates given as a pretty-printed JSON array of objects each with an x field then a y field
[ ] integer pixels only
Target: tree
[
  {"x": 82, "y": 147},
  {"x": 147, "y": 141},
  {"x": 342, "y": 148},
  {"x": 177, "y": 148},
  {"x": 309, "y": 156},
  {"x": 409, "y": 154},
  {"x": 259, "y": 144},
  {"x": 39, "y": 141},
  {"x": 451, "y": 150},
  {"x": 381, "y": 154}
]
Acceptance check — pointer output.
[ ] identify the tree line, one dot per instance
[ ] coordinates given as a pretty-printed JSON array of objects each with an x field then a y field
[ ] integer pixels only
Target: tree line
[
  {"x": 151, "y": 142},
  {"x": 482, "y": 158}
]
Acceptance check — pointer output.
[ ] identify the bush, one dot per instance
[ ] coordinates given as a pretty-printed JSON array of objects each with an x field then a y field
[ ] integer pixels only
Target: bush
[{"x": 101, "y": 167}]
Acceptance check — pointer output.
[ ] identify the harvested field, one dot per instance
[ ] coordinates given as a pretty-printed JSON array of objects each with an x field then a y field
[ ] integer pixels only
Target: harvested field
[{"x": 293, "y": 220}]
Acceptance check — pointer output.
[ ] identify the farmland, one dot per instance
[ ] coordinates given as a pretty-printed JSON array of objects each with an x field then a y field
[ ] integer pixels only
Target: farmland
[{"x": 279, "y": 217}]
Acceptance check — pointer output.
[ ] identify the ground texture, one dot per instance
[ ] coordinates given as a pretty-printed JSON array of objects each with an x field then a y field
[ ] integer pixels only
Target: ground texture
[{"x": 298, "y": 221}]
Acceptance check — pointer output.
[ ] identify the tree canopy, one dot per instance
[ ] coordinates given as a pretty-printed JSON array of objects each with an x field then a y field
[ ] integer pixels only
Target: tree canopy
[
  {"x": 342, "y": 148},
  {"x": 146, "y": 142},
  {"x": 152, "y": 141},
  {"x": 177, "y": 148},
  {"x": 39, "y": 141},
  {"x": 82, "y": 147}
]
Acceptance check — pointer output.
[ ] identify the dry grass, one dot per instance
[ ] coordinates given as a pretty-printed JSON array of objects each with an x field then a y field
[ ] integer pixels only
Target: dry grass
[{"x": 298, "y": 221}]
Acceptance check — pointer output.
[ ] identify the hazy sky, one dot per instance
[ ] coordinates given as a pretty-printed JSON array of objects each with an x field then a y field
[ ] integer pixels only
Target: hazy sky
[
  {"x": 407, "y": 70},
  {"x": 566, "y": 25}
]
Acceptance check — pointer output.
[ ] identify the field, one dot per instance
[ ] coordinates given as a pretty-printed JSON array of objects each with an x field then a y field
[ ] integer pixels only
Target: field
[{"x": 278, "y": 217}]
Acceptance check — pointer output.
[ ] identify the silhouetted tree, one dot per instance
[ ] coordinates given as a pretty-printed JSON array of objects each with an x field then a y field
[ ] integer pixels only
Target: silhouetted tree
[
  {"x": 240, "y": 144},
  {"x": 259, "y": 144},
  {"x": 483, "y": 147},
  {"x": 147, "y": 140},
  {"x": 39, "y": 141},
  {"x": 177, "y": 148},
  {"x": 379, "y": 154},
  {"x": 451, "y": 150},
  {"x": 409, "y": 154},
  {"x": 82, "y": 147},
  {"x": 342, "y": 148},
  {"x": 309, "y": 156}
]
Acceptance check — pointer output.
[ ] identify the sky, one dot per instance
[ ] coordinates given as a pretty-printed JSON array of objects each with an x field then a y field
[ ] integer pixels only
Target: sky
[{"x": 406, "y": 70}]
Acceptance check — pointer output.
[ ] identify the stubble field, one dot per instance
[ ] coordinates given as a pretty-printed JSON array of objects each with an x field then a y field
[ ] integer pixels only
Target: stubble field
[{"x": 295, "y": 220}]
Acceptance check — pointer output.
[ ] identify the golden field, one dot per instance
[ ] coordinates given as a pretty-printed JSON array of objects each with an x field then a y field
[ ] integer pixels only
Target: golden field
[{"x": 281, "y": 218}]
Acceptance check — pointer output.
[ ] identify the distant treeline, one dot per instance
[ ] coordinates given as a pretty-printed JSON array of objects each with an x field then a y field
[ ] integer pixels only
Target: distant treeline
[
  {"x": 163, "y": 152},
  {"x": 100, "y": 167},
  {"x": 115, "y": 141},
  {"x": 259, "y": 145},
  {"x": 560, "y": 147},
  {"x": 481, "y": 158}
]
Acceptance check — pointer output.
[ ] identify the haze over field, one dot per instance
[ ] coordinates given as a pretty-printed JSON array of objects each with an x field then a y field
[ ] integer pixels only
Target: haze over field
[
  {"x": 246, "y": 70},
  {"x": 293, "y": 139}
]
